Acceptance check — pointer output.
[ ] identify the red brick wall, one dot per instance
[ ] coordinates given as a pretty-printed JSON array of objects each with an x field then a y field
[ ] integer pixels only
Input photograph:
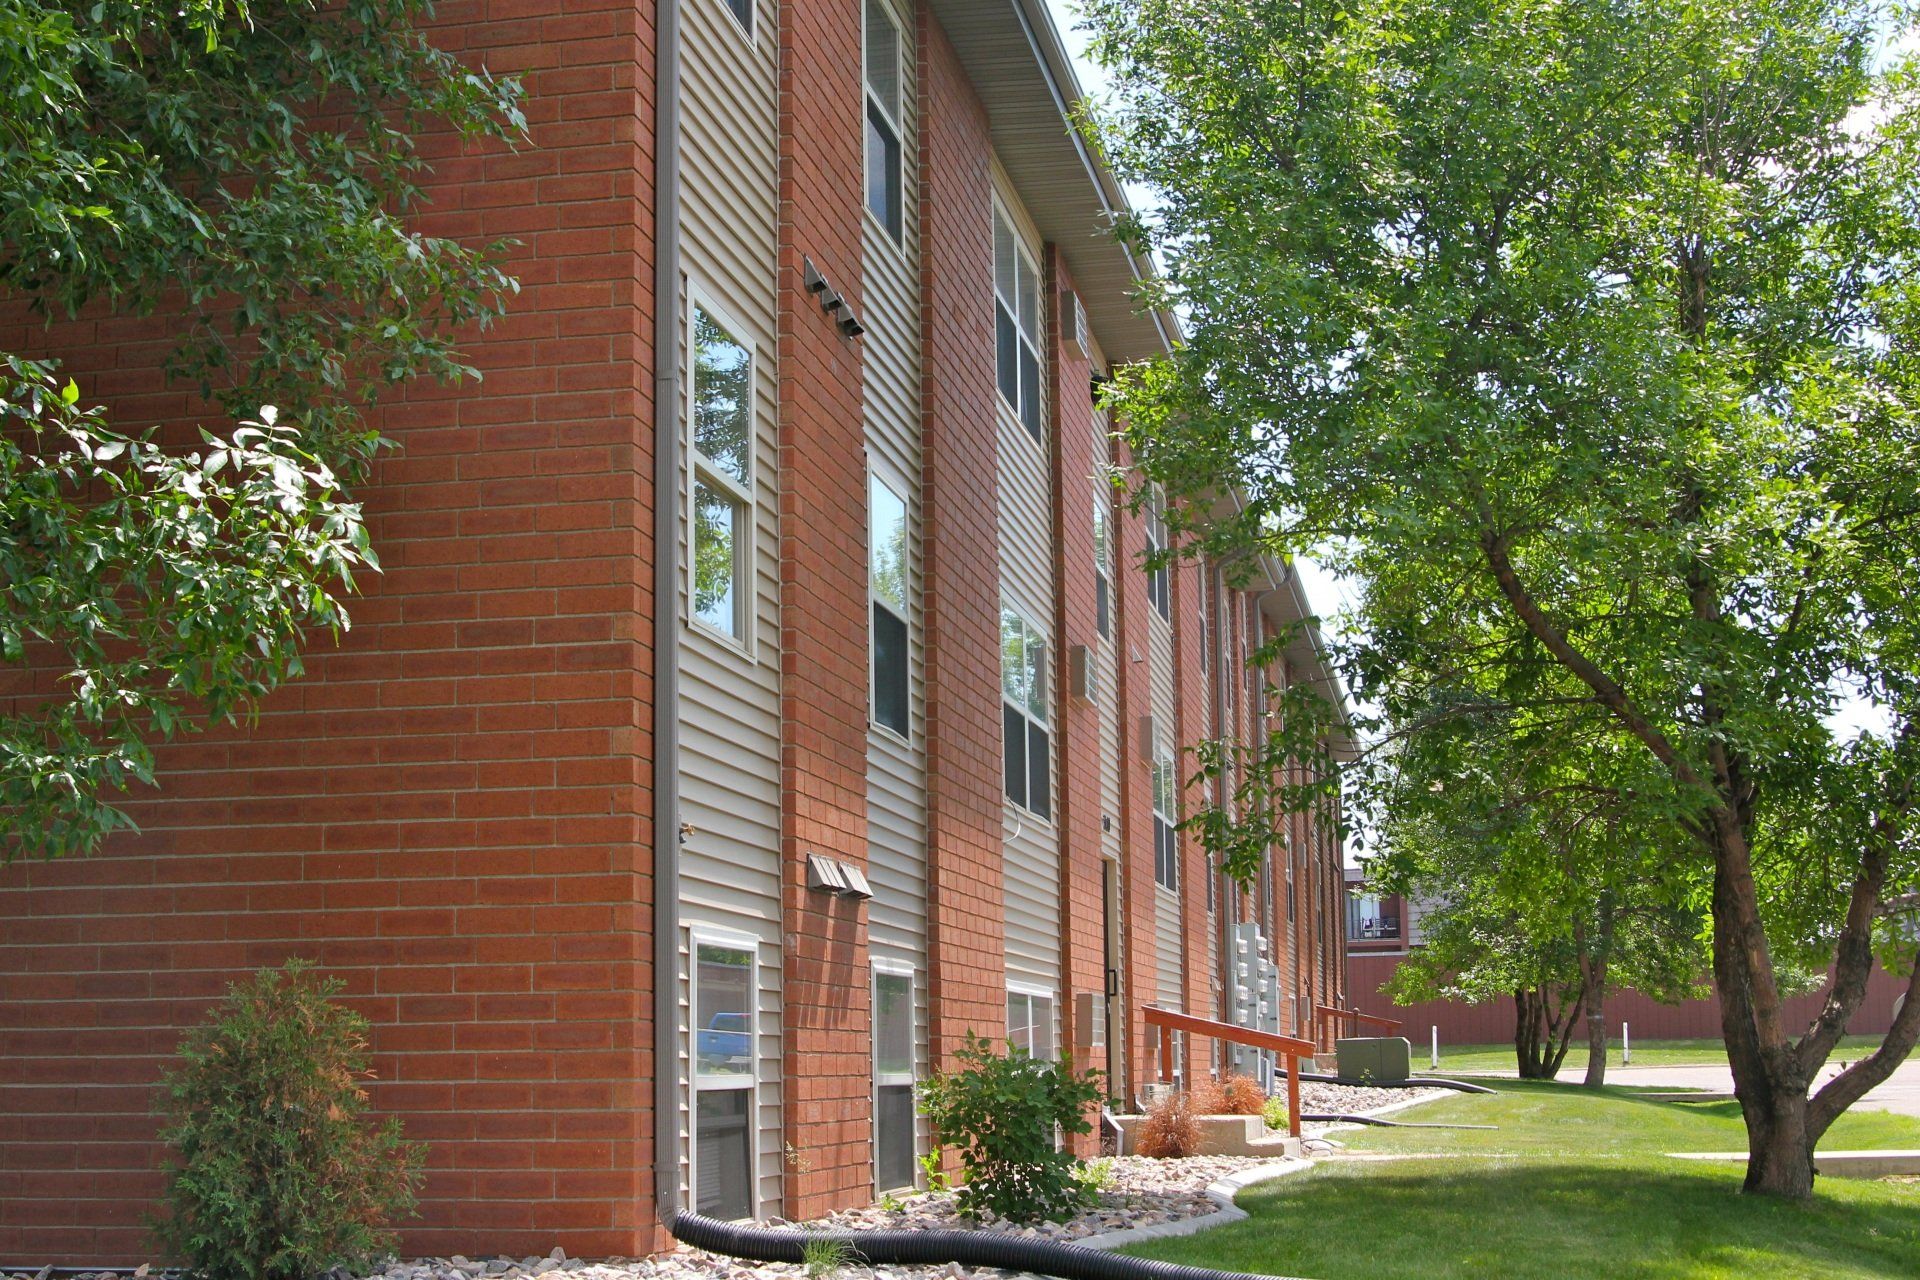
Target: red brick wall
[
  {"x": 1492, "y": 1022},
  {"x": 823, "y": 612},
  {"x": 966, "y": 920},
  {"x": 450, "y": 811}
]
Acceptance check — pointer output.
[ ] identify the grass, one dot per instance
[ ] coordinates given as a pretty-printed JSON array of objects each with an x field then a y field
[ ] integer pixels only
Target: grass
[
  {"x": 1496, "y": 1059},
  {"x": 1534, "y": 1118},
  {"x": 1571, "y": 1183}
]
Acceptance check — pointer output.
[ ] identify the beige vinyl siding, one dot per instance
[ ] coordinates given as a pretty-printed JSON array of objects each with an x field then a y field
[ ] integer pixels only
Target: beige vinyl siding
[
  {"x": 1170, "y": 967},
  {"x": 730, "y": 696},
  {"x": 1032, "y": 866},
  {"x": 896, "y": 770}
]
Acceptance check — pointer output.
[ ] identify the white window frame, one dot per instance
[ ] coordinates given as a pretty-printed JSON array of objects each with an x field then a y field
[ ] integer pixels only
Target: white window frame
[
  {"x": 896, "y": 969},
  {"x": 879, "y": 473},
  {"x": 1160, "y": 579},
  {"x": 749, "y": 25},
  {"x": 699, "y": 471},
  {"x": 1044, "y": 723},
  {"x": 895, "y": 121},
  {"x": 1032, "y": 991},
  {"x": 1164, "y": 765},
  {"x": 1003, "y": 212},
  {"x": 1103, "y": 534},
  {"x": 715, "y": 936}
]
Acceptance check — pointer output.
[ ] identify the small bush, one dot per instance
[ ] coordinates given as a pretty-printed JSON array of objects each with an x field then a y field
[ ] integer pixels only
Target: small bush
[
  {"x": 1096, "y": 1175},
  {"x": 1169, "y": 1131},
  {"x": 1000, "y": 1114},
  {"x": 1233, "y": 1096},
  {"x": 277, "y": 1173}
]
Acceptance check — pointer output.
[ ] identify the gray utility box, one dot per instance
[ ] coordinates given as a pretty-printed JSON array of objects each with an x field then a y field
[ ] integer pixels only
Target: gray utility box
[{"x": 1374, "y": 1058}]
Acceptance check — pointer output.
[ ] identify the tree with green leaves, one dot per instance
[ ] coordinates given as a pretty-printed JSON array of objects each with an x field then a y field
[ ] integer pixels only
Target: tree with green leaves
[
  {"x": 248, "y": 170},
  {"x": 1538, "y": 878},
  {"x": 1581, "y": 337}
]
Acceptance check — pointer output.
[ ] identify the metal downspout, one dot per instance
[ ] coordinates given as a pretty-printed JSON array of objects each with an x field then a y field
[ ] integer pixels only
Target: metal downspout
[{"x": 666, "y": 611}]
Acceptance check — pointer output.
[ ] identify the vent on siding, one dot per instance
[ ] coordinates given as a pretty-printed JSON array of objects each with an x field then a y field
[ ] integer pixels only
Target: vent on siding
[
  {"x": 1089, "y": 1021},
  {"x": 1084, "y": 675},
  {"x": 1073, "y": 324}
]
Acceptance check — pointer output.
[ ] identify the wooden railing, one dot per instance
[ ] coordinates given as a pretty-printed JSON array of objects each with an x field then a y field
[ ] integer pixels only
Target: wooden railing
[
  {"x": 1287, "y": 1047},
  {"x": 1326, "y": 1013}
]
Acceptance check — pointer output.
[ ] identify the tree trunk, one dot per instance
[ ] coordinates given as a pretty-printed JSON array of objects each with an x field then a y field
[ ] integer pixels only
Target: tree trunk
[
  {"x": 1779, "y": 1148},
  {"x": 1596, "y": 1043},
  {"x": 1528, "y": 1016},
  {"x": 1593, "y": 988},
  {"x": 1771, "y": 1091}
]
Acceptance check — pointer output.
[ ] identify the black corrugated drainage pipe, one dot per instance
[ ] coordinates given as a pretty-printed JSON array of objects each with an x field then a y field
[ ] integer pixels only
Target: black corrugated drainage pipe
[{"x": 907, "y": 1248}]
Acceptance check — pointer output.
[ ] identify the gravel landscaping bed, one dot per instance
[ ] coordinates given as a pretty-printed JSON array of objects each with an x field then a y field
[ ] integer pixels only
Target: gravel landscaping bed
[
  {"x": 1355, "y": 1099},
  {"x": 1142, "y": 1192}
]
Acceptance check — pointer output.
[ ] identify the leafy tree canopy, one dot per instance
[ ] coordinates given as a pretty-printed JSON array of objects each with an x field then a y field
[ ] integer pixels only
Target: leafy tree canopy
[
  {"x": 246, "y": 170},
  {"x": 1582, "y": 338}
]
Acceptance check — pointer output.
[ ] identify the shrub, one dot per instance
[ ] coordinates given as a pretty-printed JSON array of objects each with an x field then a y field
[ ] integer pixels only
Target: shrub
[
  {"x": 278, "y": 1174},
  {"x": 1233, "y": 1096},
  {"x": 1169, "y": 1131},
  {"x": 1000, "y": 1114}
]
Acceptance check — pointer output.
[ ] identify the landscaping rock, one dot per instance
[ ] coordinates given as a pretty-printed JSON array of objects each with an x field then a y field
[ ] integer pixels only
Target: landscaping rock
[{"x": 1139, "y": 1192}]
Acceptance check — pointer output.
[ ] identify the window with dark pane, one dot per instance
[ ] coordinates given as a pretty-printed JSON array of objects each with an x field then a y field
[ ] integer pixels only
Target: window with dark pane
[
  {"x": 894, "y": 1141},
  {"x": 723, "y": 1003},
  {"x": 1016, "y": 289},
  {"x": 1166, "y": 835},
  {"x": 883, "y": 80},
  {"x": 1023, "y": 691},
  {"x": 1102, "y": 601},
  {"x": 889, "y": 572}
]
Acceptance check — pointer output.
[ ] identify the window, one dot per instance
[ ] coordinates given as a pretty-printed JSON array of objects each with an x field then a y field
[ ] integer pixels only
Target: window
[
  {"x": 722, "y": 420},
  {"x": 742, "y": 11},
  {"x": 1030, "y": 1022},
  {"x": 894, "y": 1153},
  {"x": 1016, "y": 314},
  {"x": 1159, "y": 576},
  {"x": 1166, "y": 834},
  {"x": 1206, "y": 589},
  {"x": 1102, "y": 592},
  {"x": 723, "y": 1076},
  {"x": 883, "y": 117},
  {"x": 887, "y": 577},
  {"x": 1023, "y": 687}
]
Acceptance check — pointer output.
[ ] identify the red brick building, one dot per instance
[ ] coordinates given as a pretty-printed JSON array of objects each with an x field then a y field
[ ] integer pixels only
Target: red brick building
[{"x": 779, "y": 526}]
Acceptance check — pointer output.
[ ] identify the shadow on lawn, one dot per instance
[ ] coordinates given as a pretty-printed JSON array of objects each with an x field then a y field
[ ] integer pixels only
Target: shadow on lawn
[{"x": 1494, "y": 1219}]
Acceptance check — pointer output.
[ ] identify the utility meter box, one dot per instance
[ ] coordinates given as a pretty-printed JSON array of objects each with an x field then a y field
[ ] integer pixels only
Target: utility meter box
[{"x": 1374, "y": 1058}]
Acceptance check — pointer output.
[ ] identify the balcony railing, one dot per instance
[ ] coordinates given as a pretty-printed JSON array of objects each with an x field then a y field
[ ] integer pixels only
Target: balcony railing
[{"x": 1386, "y": 928}]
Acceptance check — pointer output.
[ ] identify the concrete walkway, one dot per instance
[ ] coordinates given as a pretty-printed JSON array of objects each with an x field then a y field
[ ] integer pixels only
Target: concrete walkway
[{"x": 1900, "y": 1092}]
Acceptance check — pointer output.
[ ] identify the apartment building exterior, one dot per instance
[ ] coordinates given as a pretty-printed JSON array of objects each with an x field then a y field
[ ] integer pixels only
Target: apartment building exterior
[{"x": 764, "y": 690}]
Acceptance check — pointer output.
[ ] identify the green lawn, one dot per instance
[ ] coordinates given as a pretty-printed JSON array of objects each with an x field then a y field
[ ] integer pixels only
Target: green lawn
[
  {"x": 1534, "y": 1118},
  {"x": 1482, "y": 1059},
  {"x": 1572, "y": 1183}
]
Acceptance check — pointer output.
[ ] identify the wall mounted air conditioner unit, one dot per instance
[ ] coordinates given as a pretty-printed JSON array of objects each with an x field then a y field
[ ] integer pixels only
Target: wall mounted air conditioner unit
[
  {"x": 1084, "y": 675},
  {"x": 1073, "y": 324}
]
